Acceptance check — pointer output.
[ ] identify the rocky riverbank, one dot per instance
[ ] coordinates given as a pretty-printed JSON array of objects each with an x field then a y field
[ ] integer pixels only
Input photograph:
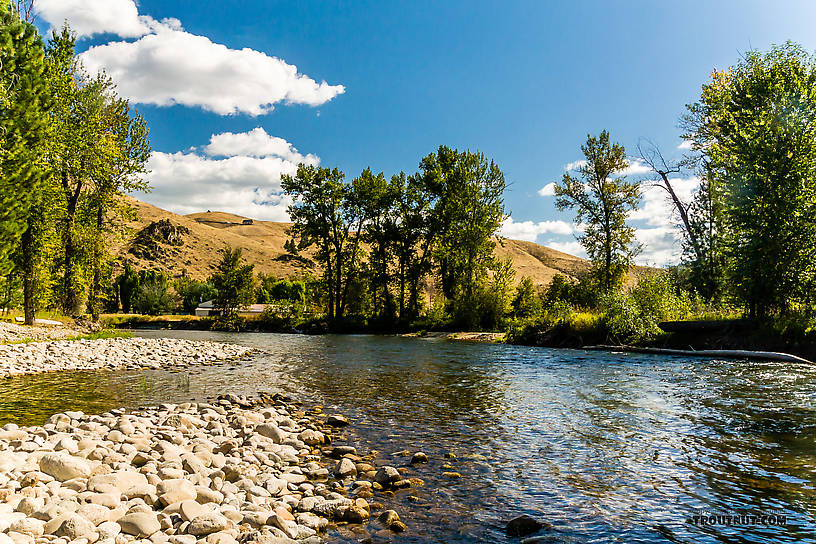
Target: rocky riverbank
[
  {"x": 130, "y": 353},
  {"x": 242, "y": 470}
]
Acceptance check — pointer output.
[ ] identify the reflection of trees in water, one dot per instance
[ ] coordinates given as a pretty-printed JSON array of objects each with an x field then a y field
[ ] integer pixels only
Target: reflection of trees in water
[
  {"x": 754, "y": 427},
  {"x": 444, "y": 388}
]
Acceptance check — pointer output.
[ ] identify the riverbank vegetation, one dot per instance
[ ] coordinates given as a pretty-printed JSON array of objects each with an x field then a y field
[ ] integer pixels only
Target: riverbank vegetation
[
  {"x": 416, "y": 250},
  {"x": 70, "y": 148}
]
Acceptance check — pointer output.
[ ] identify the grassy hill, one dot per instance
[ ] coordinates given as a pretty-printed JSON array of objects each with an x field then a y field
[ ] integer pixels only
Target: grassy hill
[{"x": 262, "y": 242}]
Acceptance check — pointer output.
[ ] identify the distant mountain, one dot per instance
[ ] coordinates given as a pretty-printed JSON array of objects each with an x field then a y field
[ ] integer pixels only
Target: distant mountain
[{"x": 191, "y": 243}]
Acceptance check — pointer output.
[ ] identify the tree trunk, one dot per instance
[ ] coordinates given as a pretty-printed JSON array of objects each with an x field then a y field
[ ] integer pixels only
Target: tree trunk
[{"x": 27, "y": 244}]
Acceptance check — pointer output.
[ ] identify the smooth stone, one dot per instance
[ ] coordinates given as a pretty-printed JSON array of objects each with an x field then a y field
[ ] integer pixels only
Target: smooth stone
[
  {"x": 523, "y": 526},
  {"x": 140, "y": 524},
  {"x": 190, "y": 509},
  {"x": 64, "y": 466},
  {"x": 208, "y": 523}
]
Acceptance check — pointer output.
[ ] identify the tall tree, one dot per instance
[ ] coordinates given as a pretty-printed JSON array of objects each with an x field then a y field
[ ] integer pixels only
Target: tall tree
[
  {"x": 468, "y": 211},
  {"x": 378, "y": 198},
  {"x": 415, "y": 236},
  {"x": 329, "y": 215},
  {"x": 23, "y": 130},
  {"x": 755, "y": 125},
  {"x": 603, "y": 200}
]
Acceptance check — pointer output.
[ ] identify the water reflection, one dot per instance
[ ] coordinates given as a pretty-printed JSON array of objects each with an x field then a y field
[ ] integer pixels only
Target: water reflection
[{"x": 608, "y": 447}]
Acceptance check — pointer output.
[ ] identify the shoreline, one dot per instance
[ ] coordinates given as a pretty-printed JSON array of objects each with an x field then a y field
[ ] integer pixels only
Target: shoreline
[
  {"x": 250, "y": 470},
  {"x": 113, "y": 353}
]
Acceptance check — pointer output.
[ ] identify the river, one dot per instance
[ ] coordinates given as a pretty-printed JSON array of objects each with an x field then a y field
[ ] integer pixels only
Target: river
[{"x": 605, "y": 447}]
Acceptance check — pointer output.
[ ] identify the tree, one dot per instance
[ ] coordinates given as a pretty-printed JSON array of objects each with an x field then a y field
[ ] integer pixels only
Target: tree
[
  {"x": 755, "y": 130},
  {"x": 526, "y": 301},
  {"x": 603, "y": 203},
  {"x": 414, "y": 238},
  {"x": 234, "y": 283},
  {"x": 468, "y": 211},
  {"x": 24, "y": 104},
  {"x": 378, "y": 198},
  {"x": 327, "y": 214}
]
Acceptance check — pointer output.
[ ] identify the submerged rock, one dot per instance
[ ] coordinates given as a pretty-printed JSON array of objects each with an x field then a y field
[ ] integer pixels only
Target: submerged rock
[{"x": 523, "y": 525}]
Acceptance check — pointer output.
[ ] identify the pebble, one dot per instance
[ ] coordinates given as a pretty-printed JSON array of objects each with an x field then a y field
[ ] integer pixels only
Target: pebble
[
  {"x": 109, "y": 353},
  {"x": 238, "y": 469}
]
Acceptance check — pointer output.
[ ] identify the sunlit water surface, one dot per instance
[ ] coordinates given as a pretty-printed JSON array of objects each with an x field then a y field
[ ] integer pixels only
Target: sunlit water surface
[{"x": 606, "y": 447}]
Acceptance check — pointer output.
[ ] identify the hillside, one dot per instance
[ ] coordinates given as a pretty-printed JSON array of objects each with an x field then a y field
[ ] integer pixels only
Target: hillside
[{"x": 262, "y": 242}]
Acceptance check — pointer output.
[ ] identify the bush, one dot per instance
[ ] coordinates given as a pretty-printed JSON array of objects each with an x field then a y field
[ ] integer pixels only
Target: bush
[
  {"x": 153, "y": 299},
  {"x": 634, "y": 316},
  {"x": 193, "y": 293}
]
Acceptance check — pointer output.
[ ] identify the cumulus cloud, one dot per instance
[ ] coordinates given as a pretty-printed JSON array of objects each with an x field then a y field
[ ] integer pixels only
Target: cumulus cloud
[
  {"x": 530, "y": 230},
  {"x": 255, "y": 143},
  {"x": 246, "y": 184},
  {"x": 656, "y": 208},
  {"x": 661, "y": 246},
  {"x": 89, "y": 17},
  {"x": 167, "y": 65},
  {"x": 685, "y": 144},
  {"x": 574, "y": 165},
  {"x": 547, "y": 190},
  {"x": 170, "y": 66},
  {"x": 573, "y": 247}
]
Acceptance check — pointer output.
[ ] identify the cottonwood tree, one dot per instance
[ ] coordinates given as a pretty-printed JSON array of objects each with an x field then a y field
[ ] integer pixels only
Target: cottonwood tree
[
  {"x": 755, "y": 126},
  {"x": 468, "y": 210},
  {"x": 329, "y": 216},
  {"x": 603, "y": 199}
]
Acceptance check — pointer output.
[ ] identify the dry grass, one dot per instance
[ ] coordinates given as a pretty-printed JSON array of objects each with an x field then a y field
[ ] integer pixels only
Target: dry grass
[{"x": 263, "y": 241}]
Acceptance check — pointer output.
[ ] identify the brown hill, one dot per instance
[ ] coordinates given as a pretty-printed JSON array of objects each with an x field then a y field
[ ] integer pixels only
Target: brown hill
[{"x": 262, "y": 243}]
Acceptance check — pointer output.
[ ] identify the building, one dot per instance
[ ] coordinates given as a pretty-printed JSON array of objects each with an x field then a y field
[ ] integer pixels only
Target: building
[{"x": 208, "y": 308}]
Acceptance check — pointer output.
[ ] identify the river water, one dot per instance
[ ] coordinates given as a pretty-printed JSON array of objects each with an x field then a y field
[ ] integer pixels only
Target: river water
[{"x": 605, "y": 447}]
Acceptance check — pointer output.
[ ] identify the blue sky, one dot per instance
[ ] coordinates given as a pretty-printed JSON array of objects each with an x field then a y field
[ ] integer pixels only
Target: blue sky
[{"x": 237, "y": 93}]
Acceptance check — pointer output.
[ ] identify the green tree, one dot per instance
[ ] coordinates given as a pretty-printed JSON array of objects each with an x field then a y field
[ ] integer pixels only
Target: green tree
[
  {"x": 755, "y": 128},
  {"x": 378, "y": 198},
  {"x": 526, "y": 301},
  {"x": 24, "y": 104},
  {"x": 329, "y": 215},
  {"x": 414, "y": 237},
  {"x": 193, "y": 293},
  {"x": 234, "y": 283},
  {"x": 468, "y": 211},
  {"x": 603, "y": 201}
]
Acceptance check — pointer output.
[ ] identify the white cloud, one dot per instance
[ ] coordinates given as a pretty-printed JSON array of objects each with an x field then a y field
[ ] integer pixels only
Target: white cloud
[
  {"x": 657, "y": 209},
  {"x": 89, "y": 17},
  {"x": 255, "y": 143},
  {"x": 246, "y": 184},
  {"x": 575, "y": 165},
  {"x": 547, "y": 190},
  {"x": 636, "y": 167},
  {"x": 686, "y": 144},
  {"x": 572, "y": 247},
  {"x": 167, "y": 65},
  {"x": 661, "y": 246},
  {"x": 530, "y": 230},
  {"x": 170, "y": 66}
]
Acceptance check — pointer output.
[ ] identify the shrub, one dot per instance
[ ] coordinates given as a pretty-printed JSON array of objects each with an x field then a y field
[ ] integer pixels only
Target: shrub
[{"x": 153, "y": 299}]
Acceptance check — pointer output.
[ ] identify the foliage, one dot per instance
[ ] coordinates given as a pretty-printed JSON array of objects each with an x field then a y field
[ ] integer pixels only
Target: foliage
[
  {"x": 526, "y": 303},
  {"x": 755, "y": 129},
  {"x": 193, "y": 293},
  {"x": 467, "y": 191},
  {"x": 151, "y": 296},
  {"x": 634, "y": 315},
  {"x": 234, "y": 283},
  {"x": 603, "y": 203}
]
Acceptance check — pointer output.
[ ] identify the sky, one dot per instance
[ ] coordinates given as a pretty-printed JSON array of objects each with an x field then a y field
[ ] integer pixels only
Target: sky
[{"x": 238, "y": 93}]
